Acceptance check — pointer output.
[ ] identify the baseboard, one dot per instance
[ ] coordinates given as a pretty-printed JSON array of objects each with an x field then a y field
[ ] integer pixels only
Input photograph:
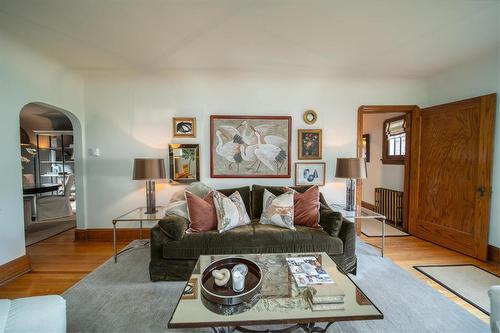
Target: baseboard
[
  {"x": 367, "y": 205},
  {"x": 14, "y": 269},
  {"x": 493, "y": 254},
  {"x": 106, "y": 235}
]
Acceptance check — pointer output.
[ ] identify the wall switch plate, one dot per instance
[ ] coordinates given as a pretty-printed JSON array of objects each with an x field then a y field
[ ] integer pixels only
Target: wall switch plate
[{"x": 94, "y": 152}]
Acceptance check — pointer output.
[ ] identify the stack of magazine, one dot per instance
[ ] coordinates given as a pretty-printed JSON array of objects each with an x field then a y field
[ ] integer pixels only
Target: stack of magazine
[{"x": 322, "y": 292}]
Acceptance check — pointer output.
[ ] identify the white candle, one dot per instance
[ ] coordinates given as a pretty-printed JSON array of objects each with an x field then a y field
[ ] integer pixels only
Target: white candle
[{"x": 238, "y": 281}]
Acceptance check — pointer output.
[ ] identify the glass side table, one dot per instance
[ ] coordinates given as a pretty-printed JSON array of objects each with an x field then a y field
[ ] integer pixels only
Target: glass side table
[
  {"x": 136, "y": 215},
  {"x": 361, "y": 213}
]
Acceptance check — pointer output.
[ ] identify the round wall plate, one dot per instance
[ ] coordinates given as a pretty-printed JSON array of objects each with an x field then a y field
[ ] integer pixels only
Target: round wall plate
[{"x": 310, "y": 117}]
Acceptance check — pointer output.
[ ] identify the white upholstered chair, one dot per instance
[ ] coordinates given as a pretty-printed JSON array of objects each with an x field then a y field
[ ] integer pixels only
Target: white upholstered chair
[
  {"x": 55, "y": 206},
  {"x": 494, "y": 293},
  {"x": 33, "y": 314}
]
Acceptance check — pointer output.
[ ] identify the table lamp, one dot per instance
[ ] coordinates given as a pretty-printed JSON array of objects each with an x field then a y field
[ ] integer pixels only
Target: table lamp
[
  {"x": 351, "y": 169},
  {"x": 149, "y": 169}
]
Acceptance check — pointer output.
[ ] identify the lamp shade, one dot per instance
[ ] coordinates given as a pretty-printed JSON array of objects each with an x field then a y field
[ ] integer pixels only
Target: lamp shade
[
  {"x": 149, "y": 168},
  {"x": 351, "y": 168}
]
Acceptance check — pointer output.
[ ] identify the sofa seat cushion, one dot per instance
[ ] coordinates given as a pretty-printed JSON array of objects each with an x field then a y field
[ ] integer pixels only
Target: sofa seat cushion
[{"x": 253, "y": 238}]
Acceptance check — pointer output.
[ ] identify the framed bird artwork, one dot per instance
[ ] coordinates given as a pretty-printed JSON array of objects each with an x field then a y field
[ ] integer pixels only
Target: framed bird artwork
[{"x": 250, "y": 146}]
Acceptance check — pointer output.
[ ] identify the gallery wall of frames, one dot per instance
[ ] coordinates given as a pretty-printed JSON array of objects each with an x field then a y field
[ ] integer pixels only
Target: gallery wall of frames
[{"x": 250, "y": 147}]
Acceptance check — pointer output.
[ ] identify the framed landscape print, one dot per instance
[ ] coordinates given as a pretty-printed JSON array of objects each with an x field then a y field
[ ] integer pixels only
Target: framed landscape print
[
  {"x": 250, "y": 146},
  {"x": 365, "y": 142},
  {"x": 184, "y": 127},
  {"x": 310, "y": 173},
  {"x": 184, "y": 163},
  {"x": 310, "y": 144}
]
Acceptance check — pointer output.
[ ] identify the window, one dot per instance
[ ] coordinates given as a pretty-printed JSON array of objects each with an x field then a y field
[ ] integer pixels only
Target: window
[{"x": 394, "y": 141}]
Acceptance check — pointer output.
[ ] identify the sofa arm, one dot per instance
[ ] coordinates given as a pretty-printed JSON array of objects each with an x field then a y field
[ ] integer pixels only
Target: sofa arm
[
  {"x": 494, "y": 294},
  {"x": 330, "y": 220},
  {"x": 173, "y": 226},
  {"x": 347, "y": 234}
]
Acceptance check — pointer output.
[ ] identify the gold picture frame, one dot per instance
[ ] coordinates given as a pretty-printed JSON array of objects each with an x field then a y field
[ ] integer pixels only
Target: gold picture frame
[
  {"x": 310, "y": 117},
  {"x": 310, "y": 144},
  {"x": 184, "y": 127}
]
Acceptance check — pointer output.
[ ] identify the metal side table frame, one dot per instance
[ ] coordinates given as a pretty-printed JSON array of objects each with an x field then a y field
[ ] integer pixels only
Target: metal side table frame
[
  {"x": 136, "y": 215},
  {"x": 361, "y": 213}
]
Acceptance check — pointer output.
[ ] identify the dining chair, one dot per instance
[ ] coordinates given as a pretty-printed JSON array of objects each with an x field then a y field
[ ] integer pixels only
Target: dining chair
[{"x": 55, "y": 206}]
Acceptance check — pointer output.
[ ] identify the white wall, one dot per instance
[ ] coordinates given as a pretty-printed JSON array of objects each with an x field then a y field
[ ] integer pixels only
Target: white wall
[
  {"x": 25, "y": 77},
  {"x": 130, "y": 116},
  {"x": 473, "y": 79},
  {"x": 389, "y": 176}
]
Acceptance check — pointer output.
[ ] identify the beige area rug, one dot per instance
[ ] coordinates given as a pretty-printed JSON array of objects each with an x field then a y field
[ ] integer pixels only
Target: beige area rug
[
  {"x": 373, "y": 228},
  {"x": 468, "y": 282},
  {"x": 40, "y": 230}
]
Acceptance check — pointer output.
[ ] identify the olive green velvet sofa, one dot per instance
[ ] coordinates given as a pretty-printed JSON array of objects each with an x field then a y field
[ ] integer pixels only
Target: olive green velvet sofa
[{"x": 174, "y": 252}]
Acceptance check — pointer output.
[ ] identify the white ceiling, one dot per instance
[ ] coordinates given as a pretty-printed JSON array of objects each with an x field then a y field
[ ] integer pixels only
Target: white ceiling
[{"x": 406, "y": 38}]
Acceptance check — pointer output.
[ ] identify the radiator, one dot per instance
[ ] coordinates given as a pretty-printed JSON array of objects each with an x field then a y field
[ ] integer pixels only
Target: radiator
[{"x": 389, "y": 203}]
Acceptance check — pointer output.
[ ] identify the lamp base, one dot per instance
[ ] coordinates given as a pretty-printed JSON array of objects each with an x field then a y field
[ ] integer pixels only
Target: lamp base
[
  {"x": 150, "y": 197},
  {"x": 350, "y": 195}
]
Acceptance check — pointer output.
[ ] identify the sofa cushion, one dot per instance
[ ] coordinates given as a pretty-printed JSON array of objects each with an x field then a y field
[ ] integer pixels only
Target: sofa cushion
[
  {"x": 244, "y": 193},
  {"x": 231, "y": 211},
  {"x": 253, "y": 238},
  {"x": 306, "y": 208},
  {"x": 201, "y": 212},
  {"x": 258, "y": 196},
  {"x": 278, "y": 210}
]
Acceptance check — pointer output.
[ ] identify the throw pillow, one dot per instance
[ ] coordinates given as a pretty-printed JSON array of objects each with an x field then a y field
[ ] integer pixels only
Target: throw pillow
[
  {"x": 178, "y": 208},
  {"x": 231, "y": 211},
  {"x": 201, "y": 212},
  {"x": 278, "y": 210},
  {"x": 197, "y": 188},
  {"x": 306, "y": 208}
]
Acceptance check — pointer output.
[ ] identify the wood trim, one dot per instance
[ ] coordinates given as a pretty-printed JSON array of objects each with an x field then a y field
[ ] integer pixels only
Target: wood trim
[
  {"x": 411, "y": 113},
  {"x": 493, "y": 254},
  {"x": 14, "y": 269},
  {"x": 106, "y": 234},
  {"x": 367, "y": 205}
]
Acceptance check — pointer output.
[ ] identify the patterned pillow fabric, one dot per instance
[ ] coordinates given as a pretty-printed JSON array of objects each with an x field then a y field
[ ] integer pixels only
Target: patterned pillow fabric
[
  {"x": 231, "y": 211},
  {"x": 278, "y": 210}
]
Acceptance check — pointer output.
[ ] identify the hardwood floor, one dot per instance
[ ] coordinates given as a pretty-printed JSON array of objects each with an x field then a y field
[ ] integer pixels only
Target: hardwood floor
[
  {"x": 412, "y": 251},
  {"x": 59, "y": 262}
]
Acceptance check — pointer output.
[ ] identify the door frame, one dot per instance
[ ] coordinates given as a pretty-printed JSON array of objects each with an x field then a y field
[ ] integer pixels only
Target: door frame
[{"x": 411, "y": 111}]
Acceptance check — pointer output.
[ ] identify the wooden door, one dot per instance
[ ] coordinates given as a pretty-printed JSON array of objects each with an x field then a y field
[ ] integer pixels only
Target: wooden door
[{"x": 451, "y": 166}]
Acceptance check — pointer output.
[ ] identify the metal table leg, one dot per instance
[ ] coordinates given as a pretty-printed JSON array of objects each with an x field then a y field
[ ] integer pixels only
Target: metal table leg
[
  {"x": 140, "y": 231},
  {"x": 383, "y": 236},
  {"x": 114, "y": 241}
]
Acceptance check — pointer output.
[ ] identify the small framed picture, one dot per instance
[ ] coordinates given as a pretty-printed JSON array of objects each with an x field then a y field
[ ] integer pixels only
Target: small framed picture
[
  {"x": 310, "y": 144},
  {"x": 184, "y": 162},
  {"x": 310, "y": 173},
  {"x": 365, "y": 142},
  {"x": 184, "y": 127}
]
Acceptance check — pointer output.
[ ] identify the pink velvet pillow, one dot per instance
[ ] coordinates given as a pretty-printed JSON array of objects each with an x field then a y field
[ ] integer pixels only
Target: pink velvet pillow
[
  {"x": 306, "y": 208},
  {"x": 202, "y": 214}
]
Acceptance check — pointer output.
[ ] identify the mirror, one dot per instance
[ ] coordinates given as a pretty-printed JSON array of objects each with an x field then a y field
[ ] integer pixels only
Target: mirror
[{"x": 184, "y": 163}]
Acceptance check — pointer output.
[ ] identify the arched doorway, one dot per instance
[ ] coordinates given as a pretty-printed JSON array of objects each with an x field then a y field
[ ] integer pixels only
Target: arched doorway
[{"x": 50, "y": 172}]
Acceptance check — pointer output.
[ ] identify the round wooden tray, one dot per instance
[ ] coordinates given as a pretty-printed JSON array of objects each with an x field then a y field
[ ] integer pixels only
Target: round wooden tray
[{"x": 226, "y": 295}]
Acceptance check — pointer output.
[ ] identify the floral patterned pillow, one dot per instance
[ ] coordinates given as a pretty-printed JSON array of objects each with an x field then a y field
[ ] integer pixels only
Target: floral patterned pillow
[
  {"x": 278, "y": 210},
  {"x": 231, "y": 211}
]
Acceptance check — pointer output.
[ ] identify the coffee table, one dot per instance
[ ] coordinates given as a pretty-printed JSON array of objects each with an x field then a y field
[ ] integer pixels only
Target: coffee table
[{"x": 280, "y": 301}]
